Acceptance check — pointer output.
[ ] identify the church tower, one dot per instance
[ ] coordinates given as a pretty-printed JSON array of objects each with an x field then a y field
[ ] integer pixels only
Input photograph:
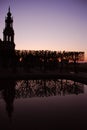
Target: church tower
[{"x": 8, "y": 32}]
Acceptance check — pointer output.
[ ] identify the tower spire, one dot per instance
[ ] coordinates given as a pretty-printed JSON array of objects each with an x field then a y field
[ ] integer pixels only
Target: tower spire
[
  {"x": 8, "y": 32},
  {"x": 9, "y": 9}
]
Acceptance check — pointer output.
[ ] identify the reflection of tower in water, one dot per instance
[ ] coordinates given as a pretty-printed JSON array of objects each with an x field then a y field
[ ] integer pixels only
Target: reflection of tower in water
[{"x": 9, "y": 95}]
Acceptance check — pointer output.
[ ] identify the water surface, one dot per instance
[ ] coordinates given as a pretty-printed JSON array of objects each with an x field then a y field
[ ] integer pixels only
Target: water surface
[{"x": 43, "y": 105}]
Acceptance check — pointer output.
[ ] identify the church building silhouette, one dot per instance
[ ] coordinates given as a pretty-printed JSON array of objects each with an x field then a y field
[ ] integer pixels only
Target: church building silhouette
[{"x": 7, "y": 46}]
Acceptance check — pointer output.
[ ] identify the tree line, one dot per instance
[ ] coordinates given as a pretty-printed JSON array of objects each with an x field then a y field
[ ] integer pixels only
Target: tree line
[
  {"x": 40, "y": 60},
  {"x": 47, "y": 60}
]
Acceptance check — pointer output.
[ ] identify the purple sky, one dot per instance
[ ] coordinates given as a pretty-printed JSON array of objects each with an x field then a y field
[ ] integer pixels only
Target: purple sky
[{"x": 47, "y": 24}]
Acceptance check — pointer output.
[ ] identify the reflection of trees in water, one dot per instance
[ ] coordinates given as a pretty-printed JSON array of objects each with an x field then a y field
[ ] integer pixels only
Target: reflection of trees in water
[
  {"x": 9, "y": 90},
  {"x": 41, "y": 88}
]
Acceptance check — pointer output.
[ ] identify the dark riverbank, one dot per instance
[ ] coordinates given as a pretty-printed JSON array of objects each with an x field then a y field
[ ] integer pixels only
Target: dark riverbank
[{"x": 78, "y": 77}]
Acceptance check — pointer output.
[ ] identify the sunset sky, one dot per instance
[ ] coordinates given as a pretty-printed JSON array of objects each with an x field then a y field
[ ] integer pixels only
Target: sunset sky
[{"x": 47, "y": 24}]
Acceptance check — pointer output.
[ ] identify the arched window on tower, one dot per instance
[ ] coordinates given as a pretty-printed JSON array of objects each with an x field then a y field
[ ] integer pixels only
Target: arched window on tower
[
  {"x": 10, "y": 24},
  {"x": 6, "y": 38},
  {"x": 10, "y": 38}
]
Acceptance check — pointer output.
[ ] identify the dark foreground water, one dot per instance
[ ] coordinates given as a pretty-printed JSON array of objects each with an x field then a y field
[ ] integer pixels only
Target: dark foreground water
[{"x": 43, "y": 105}]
